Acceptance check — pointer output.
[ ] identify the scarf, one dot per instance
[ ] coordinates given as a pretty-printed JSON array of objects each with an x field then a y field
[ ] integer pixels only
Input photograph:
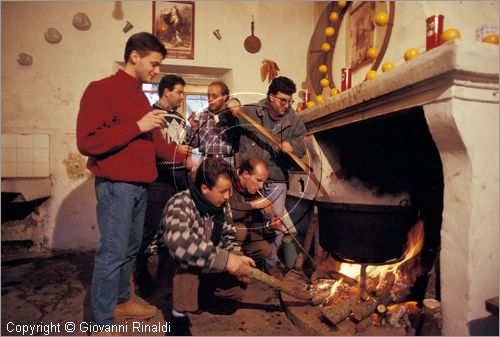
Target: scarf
[{"x": 206, "y": 207}]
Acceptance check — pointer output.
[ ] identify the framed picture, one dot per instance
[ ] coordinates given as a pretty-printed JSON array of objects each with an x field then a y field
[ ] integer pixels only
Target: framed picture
[
  {"x": 361, "y": 32},
  {"x": 173, "y": 25}
]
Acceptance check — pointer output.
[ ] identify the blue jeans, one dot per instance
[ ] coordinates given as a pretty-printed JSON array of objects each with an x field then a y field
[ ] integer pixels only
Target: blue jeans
[
  {"x": 276, "y": 193},
  {"x": 121, "y": 207}
]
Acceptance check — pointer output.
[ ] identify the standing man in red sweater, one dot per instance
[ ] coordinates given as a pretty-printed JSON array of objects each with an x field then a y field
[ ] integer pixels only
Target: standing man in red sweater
[{"x": 120, "y": 134}]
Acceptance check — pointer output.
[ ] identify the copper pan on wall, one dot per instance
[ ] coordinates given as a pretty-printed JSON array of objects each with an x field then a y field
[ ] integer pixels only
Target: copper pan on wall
[{"x": 252, "y": 43}]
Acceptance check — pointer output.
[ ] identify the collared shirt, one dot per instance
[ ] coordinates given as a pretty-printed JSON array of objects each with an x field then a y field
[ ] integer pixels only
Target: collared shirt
[{"x": 210, "y": 138}]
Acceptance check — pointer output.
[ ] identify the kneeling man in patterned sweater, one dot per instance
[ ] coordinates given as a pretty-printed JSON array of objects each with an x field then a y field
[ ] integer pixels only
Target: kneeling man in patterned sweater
[{"x": 198, "y": 230}]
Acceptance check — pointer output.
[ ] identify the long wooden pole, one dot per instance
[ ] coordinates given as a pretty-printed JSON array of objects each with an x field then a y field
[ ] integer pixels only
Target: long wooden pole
[{"x": 275, "y": 283}]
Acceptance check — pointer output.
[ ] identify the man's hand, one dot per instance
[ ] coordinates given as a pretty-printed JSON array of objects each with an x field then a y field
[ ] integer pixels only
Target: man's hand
[
  {"x": 184, "y": 150},
  {"x": 262, "y": 203},
  {"x": 233, "y": 106},
  {"x": 237, "y": 265},
  {"x": 152, "y": 120},
  {"x": 287, "y": 147},
  {"x": 276, "y": 222},
  {"x": 195, "y": 124},
  {"x": 189, "y": 163}
]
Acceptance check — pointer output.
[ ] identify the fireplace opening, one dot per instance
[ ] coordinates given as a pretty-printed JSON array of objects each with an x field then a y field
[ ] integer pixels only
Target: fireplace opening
[{"x": 384, "y": 163}]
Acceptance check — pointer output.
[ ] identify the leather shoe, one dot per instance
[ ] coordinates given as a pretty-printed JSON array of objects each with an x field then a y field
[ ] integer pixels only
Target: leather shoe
[
  {"x": 131, "y": 309},
  {"x": 180, "y": 326}
]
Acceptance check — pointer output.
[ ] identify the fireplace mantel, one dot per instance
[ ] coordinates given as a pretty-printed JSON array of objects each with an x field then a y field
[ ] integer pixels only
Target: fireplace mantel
[{"x": 427, "y": 78}]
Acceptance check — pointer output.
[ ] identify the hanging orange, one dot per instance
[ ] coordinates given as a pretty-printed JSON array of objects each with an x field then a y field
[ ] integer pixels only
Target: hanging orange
[
  {"x": 371, "y": 74},
  {"x": 372, "y": 53},
  {"x": 310, "y": 104},
  {"x": 342, "y": 4},
  {"x": 334, "y": 91},
  {"x": 334, "y": 16},
  {"x": 323, "y": 68},
  {"x": 329, "y": 31},
  {"x": 381, "y": 19},
  {"x": 326, "y": 47},
  {"x": 320, "y": 98},
  {"x": 324, "y": 82}
]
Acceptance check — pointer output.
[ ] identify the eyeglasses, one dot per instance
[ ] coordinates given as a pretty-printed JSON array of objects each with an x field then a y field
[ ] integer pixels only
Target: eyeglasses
[{"x": 284, "y": 101}]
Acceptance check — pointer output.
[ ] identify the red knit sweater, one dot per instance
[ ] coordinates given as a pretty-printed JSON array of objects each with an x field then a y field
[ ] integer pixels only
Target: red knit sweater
[{"x": 108, "y": 133}]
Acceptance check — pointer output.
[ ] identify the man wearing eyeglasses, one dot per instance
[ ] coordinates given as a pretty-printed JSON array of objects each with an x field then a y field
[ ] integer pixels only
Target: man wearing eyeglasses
[{"x": 275, "y": 113}]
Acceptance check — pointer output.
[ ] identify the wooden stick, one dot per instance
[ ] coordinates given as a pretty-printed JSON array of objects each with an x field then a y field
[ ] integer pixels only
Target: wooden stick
[
  {"x": 362, "y": 282},
  {"x": 299, "y": 262},
  {"x": 275, "y": 283},
  {"x": 289, "y": 232}
]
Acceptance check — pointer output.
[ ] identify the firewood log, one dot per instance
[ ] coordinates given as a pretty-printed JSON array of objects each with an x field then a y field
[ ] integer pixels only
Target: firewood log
[
  {"x": 431, "y": 318},
  {"x": 280, "y": 285},
  {"x": 383, "y": 292},
  {"x": 338, "y": 312},
  {"x": 371, "y": 285},
  {"x": 324, "y": 273},
  {"x": 363, "y": 309},
  {"x": 321, "y": 296},
  {"x": 363, "y": 324},
  {"x": 398, "y": 314}
]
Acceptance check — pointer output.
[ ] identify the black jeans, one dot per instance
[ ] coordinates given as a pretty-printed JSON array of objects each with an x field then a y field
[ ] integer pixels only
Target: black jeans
[{"x": 169, "y": 182}]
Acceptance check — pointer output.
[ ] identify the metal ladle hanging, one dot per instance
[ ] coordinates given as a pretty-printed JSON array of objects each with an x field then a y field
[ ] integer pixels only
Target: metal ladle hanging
[{"x": 252, "y": 43}]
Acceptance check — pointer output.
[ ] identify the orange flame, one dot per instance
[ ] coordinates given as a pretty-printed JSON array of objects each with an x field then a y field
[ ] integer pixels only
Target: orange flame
[
  {"x": 414, "y": 245},
  {"x": 335, "y": 286}
]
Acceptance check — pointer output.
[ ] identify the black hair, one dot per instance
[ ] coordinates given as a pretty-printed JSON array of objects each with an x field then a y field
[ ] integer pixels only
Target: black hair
[
  {"x": 169, "y": 82},
  {"x": 223, "y": 88},
  {"x": 249, "y": 165},
  {"x": 210, "y": 170},
  {"x": 282, "y": 84},
  {"x": 144, "y": 43}
]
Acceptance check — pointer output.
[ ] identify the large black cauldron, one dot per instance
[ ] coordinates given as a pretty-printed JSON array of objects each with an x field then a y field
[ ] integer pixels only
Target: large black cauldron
[{"x": 358, "y": 233}]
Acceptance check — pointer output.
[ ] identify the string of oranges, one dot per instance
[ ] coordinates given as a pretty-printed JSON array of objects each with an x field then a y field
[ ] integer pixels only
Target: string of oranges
[{"x": 380, "y": 19}]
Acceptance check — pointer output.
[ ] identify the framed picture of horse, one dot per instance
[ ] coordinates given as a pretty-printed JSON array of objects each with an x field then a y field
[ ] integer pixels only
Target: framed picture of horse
[{"x": 173, "y": 25}]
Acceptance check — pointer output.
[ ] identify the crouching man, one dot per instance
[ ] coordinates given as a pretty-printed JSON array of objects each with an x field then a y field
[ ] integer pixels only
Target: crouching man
[
  {"x": 248, "y": 206},
  {"x": 199, "y": 233}
]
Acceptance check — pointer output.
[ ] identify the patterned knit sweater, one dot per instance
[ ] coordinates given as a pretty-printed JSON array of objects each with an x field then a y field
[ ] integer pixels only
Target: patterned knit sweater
[{"x": 187, "y": 234}]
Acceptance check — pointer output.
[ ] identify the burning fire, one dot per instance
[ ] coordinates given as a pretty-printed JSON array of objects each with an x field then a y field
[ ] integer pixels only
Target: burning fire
[{"x": 413, "y": 247}]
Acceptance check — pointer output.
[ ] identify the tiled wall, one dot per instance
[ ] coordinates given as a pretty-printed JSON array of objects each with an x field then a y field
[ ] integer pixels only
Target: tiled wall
[{"x": 25, "y": 155}]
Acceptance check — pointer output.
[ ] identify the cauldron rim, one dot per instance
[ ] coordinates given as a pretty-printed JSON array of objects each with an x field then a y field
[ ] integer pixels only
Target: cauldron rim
[{"x": 357, "y": 207}]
